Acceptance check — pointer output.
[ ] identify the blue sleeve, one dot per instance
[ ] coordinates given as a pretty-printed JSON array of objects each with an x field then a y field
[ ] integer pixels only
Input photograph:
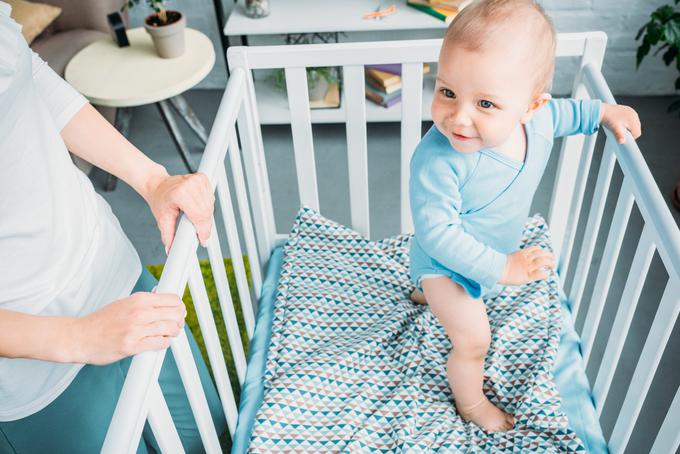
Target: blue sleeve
[
  {"x": 435, "y": 205},
  {"x": 575, "y": 116}
]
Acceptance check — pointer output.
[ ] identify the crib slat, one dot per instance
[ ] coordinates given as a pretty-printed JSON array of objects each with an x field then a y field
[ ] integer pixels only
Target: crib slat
[
  {"x": 244, "y": 211},
  {"x": 160, "y": 420},
  {"x": 256, "y": 167},
  {"x": 606, "y": 271},
  {"x": 668, "y": 438},
  {"x": 604, "y": 177},
  {"x": 661, "y": 329},
  {"x": 411, "y": 128},
  {"x": 572, "y": 148},
  {"x": 355, "y": 105},
  {"x": 212, "y": 343},
  {"x": 227, "y": 306},
  {"x": 235, "y": 252},
  {"x": 576, "y": 203},
  {"x": 194, "y": 391},
  {"x": 301, "y": 125},
  {"x": 624, "y": 316}
]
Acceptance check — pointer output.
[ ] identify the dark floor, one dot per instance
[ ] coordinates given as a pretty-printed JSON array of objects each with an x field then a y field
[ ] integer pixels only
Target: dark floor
[{"x": 659, "y": 143}]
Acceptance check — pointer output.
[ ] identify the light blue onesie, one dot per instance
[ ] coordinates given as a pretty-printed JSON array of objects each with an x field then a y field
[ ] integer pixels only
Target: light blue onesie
[{"x": 469, "y": 209}]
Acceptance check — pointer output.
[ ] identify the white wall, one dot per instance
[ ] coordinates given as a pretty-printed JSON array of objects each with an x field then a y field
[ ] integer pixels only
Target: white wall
[{"x": 620, "y": 19}]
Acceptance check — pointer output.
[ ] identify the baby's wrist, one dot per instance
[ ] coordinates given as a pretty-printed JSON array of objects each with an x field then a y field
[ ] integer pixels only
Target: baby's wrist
[
  {"x": 603, "y": 108},
  {"x": 506, "y": 270}
]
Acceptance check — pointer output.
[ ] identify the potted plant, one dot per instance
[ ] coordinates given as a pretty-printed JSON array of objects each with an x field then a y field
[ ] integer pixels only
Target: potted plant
[
  {"x": 165, "y": 26},
  {"x": 663, "y": 29},
  {"x": 318, "y": 80}
]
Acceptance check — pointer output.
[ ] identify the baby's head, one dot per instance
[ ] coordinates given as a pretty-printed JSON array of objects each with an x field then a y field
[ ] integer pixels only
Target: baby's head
[{"x": 495, "y": 69}]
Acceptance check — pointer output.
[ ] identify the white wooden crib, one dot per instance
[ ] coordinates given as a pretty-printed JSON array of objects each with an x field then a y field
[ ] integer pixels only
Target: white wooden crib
[{"x": 141, "y": 398}]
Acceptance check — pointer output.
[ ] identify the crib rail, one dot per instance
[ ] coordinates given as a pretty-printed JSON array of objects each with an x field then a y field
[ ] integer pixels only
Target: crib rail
[
  {"x": 660, "y": 233},
  {"x": 141, "y": 396}
]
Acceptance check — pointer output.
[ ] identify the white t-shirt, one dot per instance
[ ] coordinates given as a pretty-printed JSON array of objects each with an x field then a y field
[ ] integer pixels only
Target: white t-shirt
[{"x": 62, "y": 251}]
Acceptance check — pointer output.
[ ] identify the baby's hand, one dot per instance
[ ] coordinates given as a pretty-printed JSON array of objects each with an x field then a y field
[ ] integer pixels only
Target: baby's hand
[
  {"x": 527, "y": 265},
  {"x": 618, "y": 118}
]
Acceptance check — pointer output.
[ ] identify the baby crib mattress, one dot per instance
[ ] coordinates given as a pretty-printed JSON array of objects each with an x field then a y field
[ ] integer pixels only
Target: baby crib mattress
[{"x": 341, "y": 360}]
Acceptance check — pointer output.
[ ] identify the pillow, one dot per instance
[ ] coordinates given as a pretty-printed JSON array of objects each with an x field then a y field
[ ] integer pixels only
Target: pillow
[{"x": 33, "y": 17}]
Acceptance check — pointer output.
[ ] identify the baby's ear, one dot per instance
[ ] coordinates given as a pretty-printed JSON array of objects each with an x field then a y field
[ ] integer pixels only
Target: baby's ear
[{"x": 538, "y": 102}]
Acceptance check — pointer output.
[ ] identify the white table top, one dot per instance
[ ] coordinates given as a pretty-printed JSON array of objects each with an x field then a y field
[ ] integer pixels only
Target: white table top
[
  {"x": 108, "y": 75},
  {"x": 308, "y": 16}
]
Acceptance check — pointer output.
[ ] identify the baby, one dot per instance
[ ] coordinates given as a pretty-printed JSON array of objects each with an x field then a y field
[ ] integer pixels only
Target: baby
[{"x": 475, "y": 172}]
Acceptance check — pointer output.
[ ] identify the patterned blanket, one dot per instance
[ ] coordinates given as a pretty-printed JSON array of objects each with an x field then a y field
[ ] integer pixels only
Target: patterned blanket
[{"x": 355, "y": 366}]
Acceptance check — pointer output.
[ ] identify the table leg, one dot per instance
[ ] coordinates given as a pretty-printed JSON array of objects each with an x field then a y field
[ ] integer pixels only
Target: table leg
[
  {"x": 219, "y": 15},
  {"x": 171, "y": 124},
  {"x": 122, "y": 124},
  {"x": 187, "y": 113}
]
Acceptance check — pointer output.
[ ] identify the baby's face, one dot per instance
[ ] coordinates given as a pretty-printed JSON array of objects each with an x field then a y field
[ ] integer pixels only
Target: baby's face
[{"x": 482, "y": 96}]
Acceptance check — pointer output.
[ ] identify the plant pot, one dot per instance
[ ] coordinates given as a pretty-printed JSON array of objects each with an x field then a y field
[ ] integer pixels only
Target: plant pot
[
  {"x": 317, "y": 88},
  {"x": 257, "y": 8},
  {"x": 168, "y": 39}
]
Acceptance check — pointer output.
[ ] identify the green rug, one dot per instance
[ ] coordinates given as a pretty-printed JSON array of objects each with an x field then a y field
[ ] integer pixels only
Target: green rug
[{"x": 192, "y": 319}]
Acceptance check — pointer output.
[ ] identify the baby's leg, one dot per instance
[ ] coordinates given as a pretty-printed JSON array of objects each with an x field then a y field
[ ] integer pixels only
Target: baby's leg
[{"x": 467, "y": 325}]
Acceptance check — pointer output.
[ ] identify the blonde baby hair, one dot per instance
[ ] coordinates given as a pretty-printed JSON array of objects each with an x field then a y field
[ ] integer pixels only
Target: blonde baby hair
[{"x": 484, "y": 22}]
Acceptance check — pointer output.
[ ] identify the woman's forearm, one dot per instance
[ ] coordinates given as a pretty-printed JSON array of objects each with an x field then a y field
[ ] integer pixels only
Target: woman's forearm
[
  {"x": 36, "y": 337},
  {"x": 93, "y": 138}
]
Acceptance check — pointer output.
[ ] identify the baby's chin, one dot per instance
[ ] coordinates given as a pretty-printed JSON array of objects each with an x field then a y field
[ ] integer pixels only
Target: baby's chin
[{"x": 472, "y": 145}]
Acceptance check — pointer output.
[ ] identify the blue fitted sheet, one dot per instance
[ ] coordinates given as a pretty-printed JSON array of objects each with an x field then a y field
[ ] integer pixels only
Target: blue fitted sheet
[{"x": 570, "y": 376}]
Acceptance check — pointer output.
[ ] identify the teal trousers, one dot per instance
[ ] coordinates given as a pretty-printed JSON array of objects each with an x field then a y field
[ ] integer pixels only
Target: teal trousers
[{"x": 77, "y": 421}]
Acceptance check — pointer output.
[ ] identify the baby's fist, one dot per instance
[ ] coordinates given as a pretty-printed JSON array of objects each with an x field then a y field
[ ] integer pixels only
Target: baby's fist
[
  {"x": 527, "y": 265},
  {"x": 618, "y": 118}
]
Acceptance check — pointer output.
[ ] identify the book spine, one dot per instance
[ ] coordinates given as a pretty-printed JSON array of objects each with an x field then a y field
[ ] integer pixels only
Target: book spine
[
  {"x": 382, "y": 96},
  {"x": 445, "y": 9},
  {"x": 428, "y": 10},
  {"x": 392, "y": 101},
  {"x": 384, "y": 78},
  {"x": 384, "y": 103},
  {"x": 380, "y": 87}
]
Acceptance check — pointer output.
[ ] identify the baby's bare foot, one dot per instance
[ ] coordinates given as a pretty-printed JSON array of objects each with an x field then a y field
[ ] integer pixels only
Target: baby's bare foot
[{"x": 487, "y": 416}]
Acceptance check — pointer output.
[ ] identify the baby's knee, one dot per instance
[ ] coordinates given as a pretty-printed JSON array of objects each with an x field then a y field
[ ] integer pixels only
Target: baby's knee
[{"x": 472, "y": 346}]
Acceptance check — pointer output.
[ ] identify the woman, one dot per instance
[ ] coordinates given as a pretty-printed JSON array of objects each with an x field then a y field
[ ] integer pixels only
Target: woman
[{"x": 68, "y": 321}]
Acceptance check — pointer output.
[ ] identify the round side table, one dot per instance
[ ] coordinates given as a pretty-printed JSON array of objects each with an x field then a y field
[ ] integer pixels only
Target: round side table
[{"x": 125, "y": 77}]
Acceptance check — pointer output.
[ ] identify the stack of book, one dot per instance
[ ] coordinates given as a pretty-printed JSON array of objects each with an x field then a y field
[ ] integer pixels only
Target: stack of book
[
  {"x": 445, "y": 10},
  {"x": 383, "y": 83}
]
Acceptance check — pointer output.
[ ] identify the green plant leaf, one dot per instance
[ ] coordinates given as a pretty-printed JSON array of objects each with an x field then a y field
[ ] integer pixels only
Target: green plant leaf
[
  {"x": 660, "y": 48},
  {"x": 642, "y": 51},
  {"x": 671, "y": 32},
  {"x": 654, "y": 33},
  {"x": 670, "y": 54},
  {"x": 642, "y": 29},
  {"x": 663, "y": 13},
  {"x": 677, "y": 83}
]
